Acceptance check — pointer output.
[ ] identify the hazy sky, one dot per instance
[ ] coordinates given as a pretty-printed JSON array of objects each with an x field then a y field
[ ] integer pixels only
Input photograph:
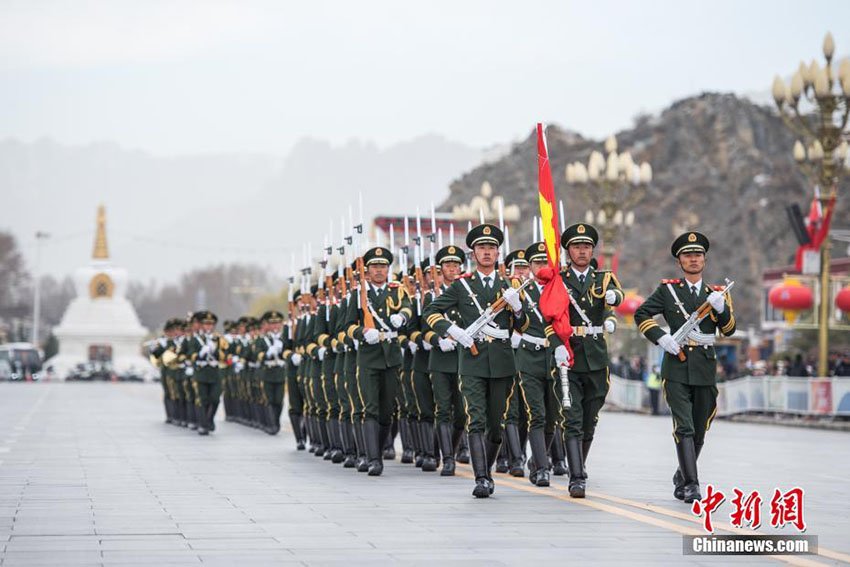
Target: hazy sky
[{"x": 204, "y": 76}]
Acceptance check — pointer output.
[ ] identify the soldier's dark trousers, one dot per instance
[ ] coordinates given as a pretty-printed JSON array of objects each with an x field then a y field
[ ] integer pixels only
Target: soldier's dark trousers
[
  {"x": 485, "y": 404},
  {"x": 588, "y": 391},
  {"x": 693, "y": 408},
  {"x": 377, "y": 389},
  {"x": 207, "y": 395},
  {"x": 424, "y": 395},
  {"x": 448, "y": 405},
  {"x": 543, "y": 401}
]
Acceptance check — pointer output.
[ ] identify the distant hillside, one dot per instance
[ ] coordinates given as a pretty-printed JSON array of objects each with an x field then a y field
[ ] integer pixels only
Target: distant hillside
[{"x": 721, "y": 165}]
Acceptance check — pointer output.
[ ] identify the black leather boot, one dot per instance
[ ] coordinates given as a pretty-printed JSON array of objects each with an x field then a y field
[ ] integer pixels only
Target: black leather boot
[
  {"x": 406, "y": 441},
  {"x": 478, "y": 456},
  {"x": 418, "y": 454},
  {"x": 201, "y": 420},
  {"x": 295, "y": 422},
  {"x": 429, "y": 460},
  {"x": 574, "y": 457},
  {"x": 679, "y": 480},
  {"x": 493, "y": 451},
  {"x": 275, "y": 418},
  {"x": 388, "y": 444},
  {"x": 192, "y": 415},
  {"x": 268, "y": 414},
  {"x": 350, "y": 447},
  {"x": 325, "y": 436},
  {"x": 338, "y": 451},
  {"x": 463, "y": 448},
  {"x": 686, "y": 453},
  {"x": 515, "y": 452},
  {"x": 444, "y": 436},
  {"x": 362, "y": 460},
  {"x": 167, "y": 403},
  {"x": 211, "y": 409},
  {"x": 373, "y": 434},
  {"x": 539, "y": 462},
  {"x": 502, "y": 465},
  {"x": 559, "y": 464}
]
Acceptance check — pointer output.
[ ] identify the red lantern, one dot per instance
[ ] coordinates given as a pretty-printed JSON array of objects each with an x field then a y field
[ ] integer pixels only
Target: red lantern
[
  {"x": 791, "y": 295},
  {"x": 842, "y": 299}
]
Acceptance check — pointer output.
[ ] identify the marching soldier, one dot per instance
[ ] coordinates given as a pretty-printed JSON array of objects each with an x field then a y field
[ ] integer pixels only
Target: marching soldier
[
  {"x": 486, "y": 361},
  {"x": 227, "y": 372},
  {"x": 194, "y": 325},
  {"x": 205, "y": 357},
  {"x": 423, "y": 392},
  {"x": 157, "y": 349},
  {"x": 379, "y": 355},
  {"x": 540, "y": 386},
  {"x": 512, "y": 456},
  {"x": 688, "y": 370},
  {"x": 443, "y": 366},
  {"x": 361, "y": 463},
  {"x": 592, "y": 293},
  {"x": 293, "y": 362},
  {"x": 326, "y": 359},
  {"x": 269, "y": 353},
  {"x": 411, "y": 447},
  {"x": 340, "y": 348}
]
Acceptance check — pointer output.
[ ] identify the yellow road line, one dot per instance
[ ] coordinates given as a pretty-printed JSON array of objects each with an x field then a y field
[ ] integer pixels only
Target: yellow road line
[{"x": 643, "y": 518}]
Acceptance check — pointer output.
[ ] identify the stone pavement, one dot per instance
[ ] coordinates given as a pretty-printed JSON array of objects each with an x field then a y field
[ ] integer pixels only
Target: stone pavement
[{"x": 90, "y": 475}]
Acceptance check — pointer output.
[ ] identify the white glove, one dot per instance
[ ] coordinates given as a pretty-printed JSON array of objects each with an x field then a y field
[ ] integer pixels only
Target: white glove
[
  {"x": 516, "y": 338},
  {"x": 668, "y": 343},
  {"x": 447, "y": 345},
  {"x": 511, "y": 297},
  {"x": 163, "y": 342},
  {"x": 426, "y": 345},
  {"x": 372, "y": 336},
  {"x": 322, "y": 351},
  {"x": 296, "y": 359},
  {"x": 397, "y": 320},
  {"x": 278, "y": 344},
  {"x": 717, "y": 301},
  {"x": 190, "y": 371},
  {"x": 205, "y": 350},
  {"x": 413, "y": 347},
  {"x": 272, "y": 351},
  {"x": 238, "y": 366},
  {"x": 610, "y": 326},
  {"x": 562, "y": 355},
  {"x": 461, "y": 336},
  {"x": 610, "y": 297}
]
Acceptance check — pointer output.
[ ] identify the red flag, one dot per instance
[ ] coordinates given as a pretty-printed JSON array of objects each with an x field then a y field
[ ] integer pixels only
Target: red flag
[{"x": 555, "y": 300}]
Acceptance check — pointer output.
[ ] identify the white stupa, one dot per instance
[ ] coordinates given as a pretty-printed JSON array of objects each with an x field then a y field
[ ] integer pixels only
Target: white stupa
[{"x": 100, "y": 325}]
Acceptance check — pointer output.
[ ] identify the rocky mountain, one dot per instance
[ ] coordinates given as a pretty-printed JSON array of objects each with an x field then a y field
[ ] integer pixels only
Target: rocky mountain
[{"x": 721, "y": 165}]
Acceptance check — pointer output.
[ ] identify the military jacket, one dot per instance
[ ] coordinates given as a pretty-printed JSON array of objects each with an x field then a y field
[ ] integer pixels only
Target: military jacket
[
  {"x": 700, "y": 367},
  {"x": 590, "y": 352},
  {"x": 495, "y": 357},
  {"x": 392, "y": 299},
  {"x": 438, "y": 360}
]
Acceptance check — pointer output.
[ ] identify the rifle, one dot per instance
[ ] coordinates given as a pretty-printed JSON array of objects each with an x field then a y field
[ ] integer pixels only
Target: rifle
[
  {"x": 694, "y": 319},
  {"x": 368, "y": 320},
  {"x": 488, "y": 316}
]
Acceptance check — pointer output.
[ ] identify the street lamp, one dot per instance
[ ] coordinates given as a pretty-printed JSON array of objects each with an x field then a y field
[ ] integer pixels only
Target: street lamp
[
  {"x": 36, "y": 303},
  {"x": 615, "y": 184},
  {"x": 815, "y": 106}
]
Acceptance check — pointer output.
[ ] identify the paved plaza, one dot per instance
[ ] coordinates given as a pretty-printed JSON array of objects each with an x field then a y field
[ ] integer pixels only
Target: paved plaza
[{"x": 90, "y": 475}]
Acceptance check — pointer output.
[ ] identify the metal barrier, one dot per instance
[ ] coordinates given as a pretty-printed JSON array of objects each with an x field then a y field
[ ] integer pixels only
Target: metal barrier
[{"x": 773, "y": 394}]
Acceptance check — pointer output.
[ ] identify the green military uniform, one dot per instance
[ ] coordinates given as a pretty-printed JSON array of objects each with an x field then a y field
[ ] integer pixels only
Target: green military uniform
[
  {"x": 294, "y": 400},
  {"x": 592, "y": 293},
  {"x": 349, "y": 374},
  {"x": 420, "y": 378},
  {"x": 176, "y": 373},
  {"x": 379, "y": 357},
  {"x": 206, "y": 353},
  {"x": 689, "y": 386},
  {"x": 485, "y": 378},
  {"x": 539, "y": 383},
  {"x": 228, "y": 375},
  {"x": 340, "y": 348},
  {"x": 269, "y": 352},
  {"x": 323, "y": 359},
  {"x": 411, "y": 444},
  {"x": 156, "y": 350},
  {"x": 512, "y": 456},
  {"x": 443, "y": 366},
  {"x": 187, "y": 369}
]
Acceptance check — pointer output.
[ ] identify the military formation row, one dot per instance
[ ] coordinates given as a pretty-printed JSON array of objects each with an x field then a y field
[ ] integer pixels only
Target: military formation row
[{"x": 460, "y": 365}]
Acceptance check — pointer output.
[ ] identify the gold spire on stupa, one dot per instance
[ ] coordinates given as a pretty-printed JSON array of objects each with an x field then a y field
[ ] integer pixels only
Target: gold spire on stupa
[{"x": 101, "y": 252}]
